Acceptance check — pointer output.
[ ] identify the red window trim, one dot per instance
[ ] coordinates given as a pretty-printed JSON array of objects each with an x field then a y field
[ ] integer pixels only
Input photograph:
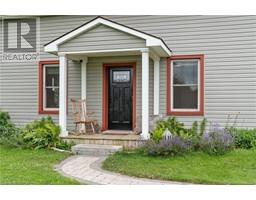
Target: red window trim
[
  {"x": 106, "y": 66},
  {"x": 168, "y": 88},
  {"x": 40, "y": 87}
]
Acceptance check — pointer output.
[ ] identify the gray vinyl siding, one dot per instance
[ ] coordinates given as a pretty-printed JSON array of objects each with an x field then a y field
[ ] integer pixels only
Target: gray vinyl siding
[
  {"x": 102, "y": 37},
  {"x": 228, "y": 43}
]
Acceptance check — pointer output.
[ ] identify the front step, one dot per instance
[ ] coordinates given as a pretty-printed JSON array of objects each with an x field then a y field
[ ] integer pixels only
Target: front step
[{"x": 95, "y": 149}]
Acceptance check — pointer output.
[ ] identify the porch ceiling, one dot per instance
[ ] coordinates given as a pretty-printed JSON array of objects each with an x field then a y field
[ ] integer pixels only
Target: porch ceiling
[{"x": 154, "y": 44}]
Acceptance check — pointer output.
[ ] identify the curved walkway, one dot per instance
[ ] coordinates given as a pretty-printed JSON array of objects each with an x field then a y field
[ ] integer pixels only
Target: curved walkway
[{"x": 87, "y": 169}]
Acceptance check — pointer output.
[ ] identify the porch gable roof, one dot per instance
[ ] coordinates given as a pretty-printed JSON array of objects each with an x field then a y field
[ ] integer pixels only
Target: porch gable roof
[{"x": 156, "y": 43}]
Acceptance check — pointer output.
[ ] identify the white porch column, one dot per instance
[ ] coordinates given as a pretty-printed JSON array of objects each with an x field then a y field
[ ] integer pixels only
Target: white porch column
[
  {"x": 156, "y": 85},
  {"x": 83, "y": 78},
  {"x": 63, "y": 94},
  {"x": 145, "y": 94}
]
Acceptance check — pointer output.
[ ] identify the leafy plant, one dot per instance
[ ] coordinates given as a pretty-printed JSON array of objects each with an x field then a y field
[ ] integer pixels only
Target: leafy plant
[
  {"x": 196, "y": 134},
  {"x": 178, "y": 129},
  {"x": 9, "y": 134},
  {"x": 194, "y": 129},
  {"x": 244, "y": 138},
  {"x": 42, "y": 133},
  {"x": 157, "y": 134},
  {"x": 217, "y": 141},
  {"x": 64, "y": 145},
  {"x": 4, "y": 119},
  {"x": 174, "y": 146},
  {"x": 172, "y": 124},
  {"x": 202, "y": 126}
]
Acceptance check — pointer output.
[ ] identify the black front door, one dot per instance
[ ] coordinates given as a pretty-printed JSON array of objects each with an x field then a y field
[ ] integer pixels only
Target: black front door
[{"x": 120, "y": 98}]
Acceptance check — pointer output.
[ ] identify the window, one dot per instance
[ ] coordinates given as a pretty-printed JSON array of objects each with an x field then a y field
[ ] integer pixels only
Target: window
[
  {"x": 48, "y": 87},
  {"x": 121, "y": 76},
  {"x": 185, "y": 85}
]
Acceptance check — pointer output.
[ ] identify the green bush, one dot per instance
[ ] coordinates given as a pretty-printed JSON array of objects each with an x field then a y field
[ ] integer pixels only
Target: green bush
[
  {"x": 42, "y": 133},
  {"x": 9, "y": 134},
  {"x": 244, "y": 138},
  {"x": 157, "y": 134},
  {"x": 178, "y": 129},
  {"x": 172, "y": 124},
  {"x": 203, "y": 124},
  {"x": 64, "y": 145},
  {"x": 37, "y": 134}
]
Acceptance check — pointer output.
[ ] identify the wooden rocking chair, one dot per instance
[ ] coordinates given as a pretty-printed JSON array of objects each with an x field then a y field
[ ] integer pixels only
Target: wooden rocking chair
[{"x": 82, "y": 118}]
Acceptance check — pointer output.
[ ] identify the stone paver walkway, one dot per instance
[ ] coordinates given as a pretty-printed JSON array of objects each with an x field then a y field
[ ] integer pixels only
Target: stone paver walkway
[{"x": 87, "y": 169}]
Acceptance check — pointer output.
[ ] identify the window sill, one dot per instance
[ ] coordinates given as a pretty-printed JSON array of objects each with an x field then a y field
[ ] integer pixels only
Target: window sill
[
  {"x": 49, "y": 112},
  {"x": 185, "y": 113}
]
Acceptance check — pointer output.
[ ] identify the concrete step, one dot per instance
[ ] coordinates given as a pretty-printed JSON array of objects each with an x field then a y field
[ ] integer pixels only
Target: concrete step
[{"x": 95, "y": 149}]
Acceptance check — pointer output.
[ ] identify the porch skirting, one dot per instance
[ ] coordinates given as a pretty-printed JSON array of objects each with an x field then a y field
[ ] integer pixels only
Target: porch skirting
[{"x": 127, "y": 141}]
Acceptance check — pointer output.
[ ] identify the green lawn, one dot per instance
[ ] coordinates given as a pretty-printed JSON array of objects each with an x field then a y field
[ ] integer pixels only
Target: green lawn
[
  {"x": 18, "y": 166},
  {"x": 236, "y": 167}
]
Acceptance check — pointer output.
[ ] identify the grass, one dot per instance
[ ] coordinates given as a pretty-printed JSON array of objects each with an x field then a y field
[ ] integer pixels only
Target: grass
[
  {"x": 236, "y": 167},
  {"x": 19, "y": 166}
]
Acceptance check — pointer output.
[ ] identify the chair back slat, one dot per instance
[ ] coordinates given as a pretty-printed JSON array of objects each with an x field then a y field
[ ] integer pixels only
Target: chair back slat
[
  {"x": 79, "y": 109},
  {"x": 81, "y": 117}
]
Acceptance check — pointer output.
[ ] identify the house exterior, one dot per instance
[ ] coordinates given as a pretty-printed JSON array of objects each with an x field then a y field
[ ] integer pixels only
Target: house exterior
[{"x": 131, "y": 69}]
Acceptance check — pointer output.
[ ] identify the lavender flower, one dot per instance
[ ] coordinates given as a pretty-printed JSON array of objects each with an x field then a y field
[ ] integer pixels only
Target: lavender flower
[
  {"x": 217, "y": 140},
  {"x": 173, "y": 146}
]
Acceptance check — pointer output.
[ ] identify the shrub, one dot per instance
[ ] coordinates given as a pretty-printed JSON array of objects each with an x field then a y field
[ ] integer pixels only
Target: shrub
[
  {"x": 172, "y": 124},
  {"x": 174, "y": 146},
  {"x": 157, "y": 134},
  {"x": 202, "y": 127},
  {"x": 217, "y": 141},
  {"x": 194, "y": 129},
  {"x": 178, "y": 129},
  {"x": 42, "y": 133},
  {"x": 196, "y": 134},
  {"x": 9, "y": 134},
  {"x": 64, "y": 145},
  {"x": 244, "y": 138}
]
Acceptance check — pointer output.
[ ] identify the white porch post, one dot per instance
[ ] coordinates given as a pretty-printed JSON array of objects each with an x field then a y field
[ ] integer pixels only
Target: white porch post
[
  {"x": 145, "y": 94},
  {"x": 83, "y": 78},
  {"x": 63, "y": 94},
  {"x": 156, "y": 85}
]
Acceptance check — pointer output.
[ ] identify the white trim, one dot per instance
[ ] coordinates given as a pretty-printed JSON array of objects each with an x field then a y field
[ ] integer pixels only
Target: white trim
[
  {"x": 150, "y": 41},
  {"x": 145, "y": 95},
  {"x": 103, "y": 51},
  {"x": 198, "y": 88},
  {"x": 63, "y": 95},
  {"x": 44, "y": 87},
  {"x": 156, "y": 85},
  {"x": 83, "y": 78}
]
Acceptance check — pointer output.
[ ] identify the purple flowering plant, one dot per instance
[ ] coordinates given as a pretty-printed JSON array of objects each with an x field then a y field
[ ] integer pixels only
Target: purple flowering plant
[
  {"x": 216, "y": 141},
  {"x": 175, "y": 145}
]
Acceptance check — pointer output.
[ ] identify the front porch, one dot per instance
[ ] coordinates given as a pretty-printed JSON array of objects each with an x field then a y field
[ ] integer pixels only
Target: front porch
[
  {"x": 101, "y": 38},
  {"x": 128, "y": 141}
]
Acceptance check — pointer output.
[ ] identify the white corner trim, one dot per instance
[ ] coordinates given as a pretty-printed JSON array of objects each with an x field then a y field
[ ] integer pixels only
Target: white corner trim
[{"x": 150, "y": 40}]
